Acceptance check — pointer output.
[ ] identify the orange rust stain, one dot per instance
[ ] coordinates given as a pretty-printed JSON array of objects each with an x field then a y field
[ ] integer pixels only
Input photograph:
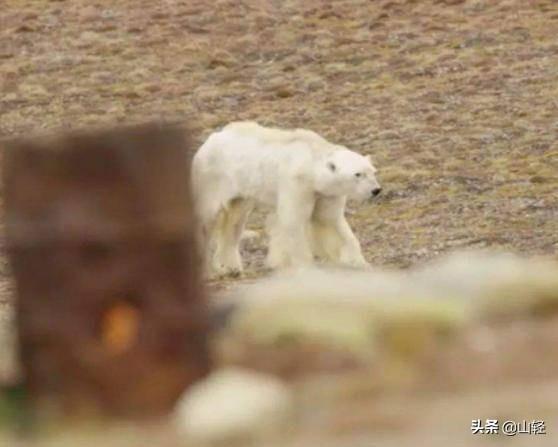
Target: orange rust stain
[{"x": 120, "y": 327}]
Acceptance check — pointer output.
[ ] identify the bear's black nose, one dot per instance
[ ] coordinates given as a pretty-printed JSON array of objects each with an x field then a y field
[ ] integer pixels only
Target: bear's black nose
[{"x": 376, "y": 191}]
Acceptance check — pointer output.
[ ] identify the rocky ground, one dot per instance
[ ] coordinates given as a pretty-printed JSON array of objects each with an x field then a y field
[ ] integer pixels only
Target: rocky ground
[{"x": 455, "y": 100}]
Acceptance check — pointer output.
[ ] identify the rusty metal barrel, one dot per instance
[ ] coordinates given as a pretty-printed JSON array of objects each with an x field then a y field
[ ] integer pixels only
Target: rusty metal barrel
[{"x": 111, "y": 314}]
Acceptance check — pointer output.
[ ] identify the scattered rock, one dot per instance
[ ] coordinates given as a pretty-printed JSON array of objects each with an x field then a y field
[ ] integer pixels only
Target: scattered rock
[
  {"x": 25, "y": 28},
  {"x": 284, "y": 92}
]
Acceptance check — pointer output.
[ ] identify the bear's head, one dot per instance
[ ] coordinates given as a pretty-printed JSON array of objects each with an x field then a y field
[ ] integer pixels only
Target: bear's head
[{"x": 347, "y": 173}]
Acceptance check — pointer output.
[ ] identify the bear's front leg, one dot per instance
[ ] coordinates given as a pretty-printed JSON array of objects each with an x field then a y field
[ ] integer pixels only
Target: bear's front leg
[
  {"x": 351, "y": 252},
  {"x": 334, "y": 240},
  {"x": 289, "y": 245}
]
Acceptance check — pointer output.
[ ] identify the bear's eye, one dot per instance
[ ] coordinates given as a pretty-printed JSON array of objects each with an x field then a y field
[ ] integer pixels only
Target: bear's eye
[{"x": 358, "y": 174}]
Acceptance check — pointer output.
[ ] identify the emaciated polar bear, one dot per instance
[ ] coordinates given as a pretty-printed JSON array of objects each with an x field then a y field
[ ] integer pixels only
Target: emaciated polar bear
[{"x": 302, "y": 177}]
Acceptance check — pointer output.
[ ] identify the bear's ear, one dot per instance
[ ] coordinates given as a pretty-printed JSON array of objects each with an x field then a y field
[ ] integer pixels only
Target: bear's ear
[
  {"x": 369, "y": 158},
  {"x": 331, "y": 166}
]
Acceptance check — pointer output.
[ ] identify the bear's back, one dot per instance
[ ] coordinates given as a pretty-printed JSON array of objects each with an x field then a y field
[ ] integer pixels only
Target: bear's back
[{"x": 278, "y": 137}]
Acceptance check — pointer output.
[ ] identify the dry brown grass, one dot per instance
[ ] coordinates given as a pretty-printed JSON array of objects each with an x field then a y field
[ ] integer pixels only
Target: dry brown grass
[{"x": 456, "y": 101}]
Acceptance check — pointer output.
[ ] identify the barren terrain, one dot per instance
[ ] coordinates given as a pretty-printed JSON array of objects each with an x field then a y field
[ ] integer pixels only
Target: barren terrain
[{"x": 455, "y": 100}]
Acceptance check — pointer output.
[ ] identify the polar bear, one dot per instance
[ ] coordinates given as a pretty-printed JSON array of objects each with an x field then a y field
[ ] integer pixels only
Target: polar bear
[{"x": 304, "y": 179}]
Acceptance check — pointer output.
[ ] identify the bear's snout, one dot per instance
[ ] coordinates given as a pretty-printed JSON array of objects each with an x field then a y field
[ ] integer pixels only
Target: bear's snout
[{"x": 376, "y": 191}]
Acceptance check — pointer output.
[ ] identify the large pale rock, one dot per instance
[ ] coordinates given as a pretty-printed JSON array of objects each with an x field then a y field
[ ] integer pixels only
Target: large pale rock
[
  {"x": 361, "y": 312},
  {"x": 498, "y": 284},
  {"x": 343, "y": 310},
  {"x": 235, "y": 405}
]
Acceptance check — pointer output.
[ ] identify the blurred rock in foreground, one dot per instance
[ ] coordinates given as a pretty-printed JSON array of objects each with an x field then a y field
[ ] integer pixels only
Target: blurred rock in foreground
[
  {"x": 343, "y": 358},
  {"x": 316, "y": 320},
  {"x": 235, "y": 405}
]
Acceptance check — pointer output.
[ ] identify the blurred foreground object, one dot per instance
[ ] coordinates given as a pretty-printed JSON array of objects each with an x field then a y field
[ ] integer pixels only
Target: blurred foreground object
[
  {"x": 237, "y": 405},
  {"x": 9, "y": 365},
  {"x": 442, "y": 314},
  {"x": 110, "y": 313}
]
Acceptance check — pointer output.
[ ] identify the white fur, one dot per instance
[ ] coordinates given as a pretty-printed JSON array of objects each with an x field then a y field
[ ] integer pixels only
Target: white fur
[{"x": 302, "y": 177}]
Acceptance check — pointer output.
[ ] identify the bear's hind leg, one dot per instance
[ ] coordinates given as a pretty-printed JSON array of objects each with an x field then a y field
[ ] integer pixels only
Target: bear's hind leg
[
  {"x": 230, "y": 233},
  {"x": 209, "y": 223}
]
